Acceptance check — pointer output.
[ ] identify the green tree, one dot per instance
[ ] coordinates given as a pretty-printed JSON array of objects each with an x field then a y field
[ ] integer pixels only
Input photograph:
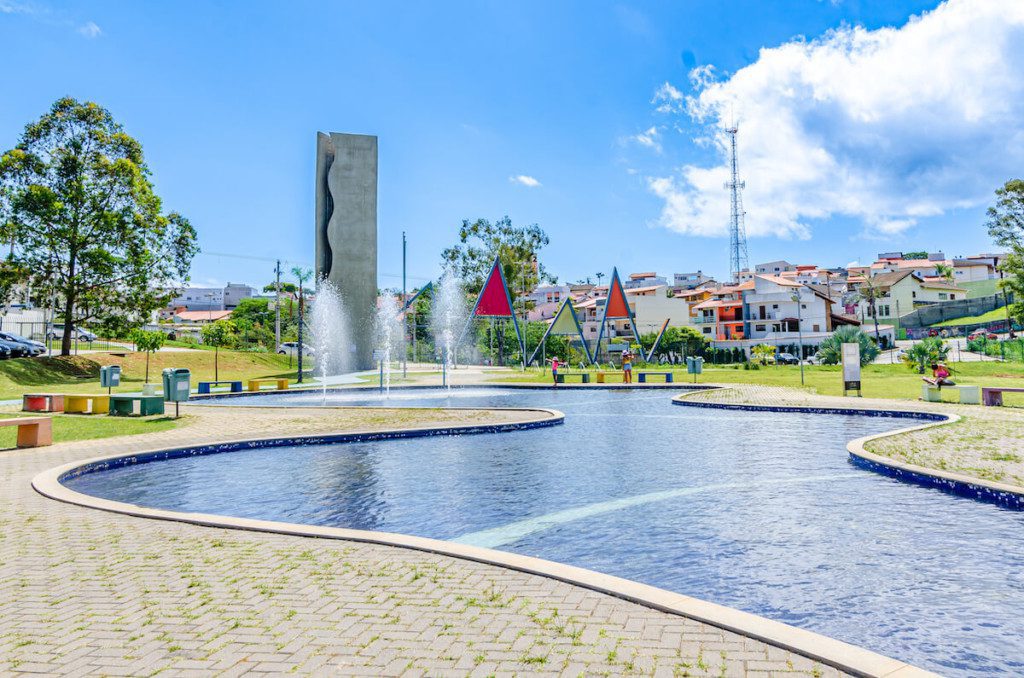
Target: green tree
[
  {"x": 220, "y": 333},
  {"x": 148, "y": 342},
  {"x": 925, "y": 353},
  {"x": 920, "y": 254},
  {"x": 762, "y": 353},
  {"x": 1006, "y": 227},
  {"x": 870, "y": 293},
  {"x": 944, "y": 271},
  {"x": 286, "y": 288},
  {"x": 518, "y": 246},
  {"x": 830, "y": 351},
  {"x": 85, "y": 224},
  {"x": 677, "y": 343}
]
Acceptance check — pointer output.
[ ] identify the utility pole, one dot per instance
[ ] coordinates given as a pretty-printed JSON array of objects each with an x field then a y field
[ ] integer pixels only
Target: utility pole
[
  {"x": 405, "y": 357},
  {"x": 277, "y": 307}
]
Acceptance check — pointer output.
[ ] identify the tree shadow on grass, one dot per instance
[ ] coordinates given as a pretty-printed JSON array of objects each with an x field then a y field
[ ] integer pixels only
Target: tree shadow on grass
[{"x": 48, "y": 371}]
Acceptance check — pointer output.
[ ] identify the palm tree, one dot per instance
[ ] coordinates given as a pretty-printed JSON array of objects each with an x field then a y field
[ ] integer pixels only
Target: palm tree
[
  {"x": 871, "y": 294},
  {"x": 944, "y": 271}
]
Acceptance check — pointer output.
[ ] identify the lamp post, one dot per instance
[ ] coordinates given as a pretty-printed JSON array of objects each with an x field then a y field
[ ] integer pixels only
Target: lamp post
[
  {"x": 302, "y": 275},
  {"x": 800, "y": 334}
]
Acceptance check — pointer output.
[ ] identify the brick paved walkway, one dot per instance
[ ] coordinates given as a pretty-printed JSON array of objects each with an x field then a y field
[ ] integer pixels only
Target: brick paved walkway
[{"x": 88, "y": 592}]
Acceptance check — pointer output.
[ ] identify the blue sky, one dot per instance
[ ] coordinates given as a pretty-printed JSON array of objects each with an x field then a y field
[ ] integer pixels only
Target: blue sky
[{"x": 227, "y": 99}]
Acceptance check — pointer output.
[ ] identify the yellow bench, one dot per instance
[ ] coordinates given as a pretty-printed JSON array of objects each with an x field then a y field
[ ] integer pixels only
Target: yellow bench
[
  {"x": 86, "y": 404},
  {"x": 254, "y": 384},
  {"x": 32, "y": 431},
  {"x": 601, "y": 375}
]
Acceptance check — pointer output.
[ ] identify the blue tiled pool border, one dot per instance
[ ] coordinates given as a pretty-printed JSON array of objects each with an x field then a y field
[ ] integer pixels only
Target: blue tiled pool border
[
  {"x": 962, "y": 488},
  {"x": 302, "y": 441}
]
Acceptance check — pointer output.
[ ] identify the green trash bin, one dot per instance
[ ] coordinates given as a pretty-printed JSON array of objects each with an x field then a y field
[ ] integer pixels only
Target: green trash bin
[{"x": 177, "y": 385}]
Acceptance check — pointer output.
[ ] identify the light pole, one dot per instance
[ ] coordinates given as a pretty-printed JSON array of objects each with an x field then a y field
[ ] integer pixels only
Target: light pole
[
  {"x": 302, "y": 275},
  {"x": 800, "y": 334}
]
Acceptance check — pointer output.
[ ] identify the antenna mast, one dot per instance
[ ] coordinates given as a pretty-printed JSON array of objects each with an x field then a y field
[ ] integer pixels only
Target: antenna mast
[{"x": 737, "y": 228}]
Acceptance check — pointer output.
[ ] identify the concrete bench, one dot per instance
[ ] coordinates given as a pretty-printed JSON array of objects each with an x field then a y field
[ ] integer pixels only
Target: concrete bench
[
  {"x": 968, "y": 395},
  {"x": 254, "y": 384},
  {"x": 642, "y": 376},
  {"x": 584, "y": 377},
  {"x": 86, "y": 404},
  {"x": 993, "y": 395},
  {"x": 32, "y": 431},
  {"x": 603, "y": 374},
  {"x": 42, "y": 402},
  {"x": 124, "y": 405},
  {"x": 236, "y": 386}
]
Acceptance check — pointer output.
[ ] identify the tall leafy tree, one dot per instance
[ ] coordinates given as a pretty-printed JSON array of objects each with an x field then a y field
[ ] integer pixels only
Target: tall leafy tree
[
  {"x": 518, "y": 246},
  {"x": 87, "y": 230},
  {"x": 1006, "y": 226}
]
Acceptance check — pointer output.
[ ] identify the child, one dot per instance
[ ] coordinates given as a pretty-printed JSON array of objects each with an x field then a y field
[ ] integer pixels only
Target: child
[{"x": 554, "y": 371}]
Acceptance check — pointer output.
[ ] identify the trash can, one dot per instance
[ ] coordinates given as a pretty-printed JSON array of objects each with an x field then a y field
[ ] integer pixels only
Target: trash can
[
  {"x": 110, "y": 376},
  {"x": 177, "y": 383},
  {"x": 694, "y": 365}
]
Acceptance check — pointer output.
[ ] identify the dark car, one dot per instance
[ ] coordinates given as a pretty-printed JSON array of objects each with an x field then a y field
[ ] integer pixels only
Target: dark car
[
  {"x": 786, "y": 359},
  {"x": 34, "y": 347},
  {"x": 15, "y": 350}
]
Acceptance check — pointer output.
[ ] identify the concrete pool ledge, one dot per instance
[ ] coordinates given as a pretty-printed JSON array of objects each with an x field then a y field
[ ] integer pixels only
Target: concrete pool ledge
[
  {"x": 959, "y": 484},
  {"x": 834, "y": 653}
]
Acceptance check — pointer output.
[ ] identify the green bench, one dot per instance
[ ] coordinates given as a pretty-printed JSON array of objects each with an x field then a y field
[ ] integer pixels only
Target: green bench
[
  {"x": 124, "y": 405},
  {"x": 584, "y": 377}
]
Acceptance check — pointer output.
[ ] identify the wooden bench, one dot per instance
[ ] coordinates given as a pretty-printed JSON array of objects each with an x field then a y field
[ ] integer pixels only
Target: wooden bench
[
  {"x": 601, "y": 374},
  {"x": 236, "y": 386},
  {"x": 124, "y": 405},
  {"x": 968, "y": 395},
  {"x": 32, "y": 431},
  {"x": 42, "y": 402},
  {"x": 584, "y": 377},
  {"x": 86, "y": 404},
  {"x": 254, "y": 384},
  {"x": 993, "y": 395},
  {"x": 642, "y": 376}
]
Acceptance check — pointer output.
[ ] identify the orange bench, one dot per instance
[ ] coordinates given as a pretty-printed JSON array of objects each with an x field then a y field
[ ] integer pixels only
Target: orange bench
[{"x": 32, "y": 431}]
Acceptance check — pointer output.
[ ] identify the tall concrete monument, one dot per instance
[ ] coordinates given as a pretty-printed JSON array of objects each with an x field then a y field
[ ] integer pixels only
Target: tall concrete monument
[{"x": 346, "y": 231}]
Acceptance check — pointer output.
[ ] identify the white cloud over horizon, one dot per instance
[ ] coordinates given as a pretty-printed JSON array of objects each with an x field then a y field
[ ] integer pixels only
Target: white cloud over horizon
[
  {"x": 887, "y": 126},
  {"x": 524, "y": 180}
]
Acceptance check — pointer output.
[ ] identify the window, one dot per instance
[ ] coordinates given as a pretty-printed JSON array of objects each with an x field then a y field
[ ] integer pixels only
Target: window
[
  {"x": 759, "y": 328},
  {"x": 943, "y": 296},
  {"x": 775, "y": 307},
  {"x": 817, "y": 328},
  {"x": 707, "y": 330},
  {"x": 952, "y": 297},
  {"x": 913, "y": 295}
]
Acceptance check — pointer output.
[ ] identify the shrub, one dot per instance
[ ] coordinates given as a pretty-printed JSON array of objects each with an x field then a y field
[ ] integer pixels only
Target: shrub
[
  {"x": 924, "y": 353},
  {"x": 830, "y": 352}
]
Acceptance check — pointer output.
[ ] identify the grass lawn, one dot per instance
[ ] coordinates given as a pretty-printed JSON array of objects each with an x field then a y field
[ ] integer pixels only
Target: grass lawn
[
  {"x": 68, "y": 427},
  {"x": 80, "y": 374},
  {"x": 878, "y": 381},
  {"x": 992, "y": 316}
]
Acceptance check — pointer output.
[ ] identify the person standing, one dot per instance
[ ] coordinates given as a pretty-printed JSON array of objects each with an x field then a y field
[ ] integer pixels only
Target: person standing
[
  {"x": 627, "y": 367},
  {"x": 554, "y": 371}
]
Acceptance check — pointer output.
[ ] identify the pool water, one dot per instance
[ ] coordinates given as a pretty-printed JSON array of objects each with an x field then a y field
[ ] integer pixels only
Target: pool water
[{"x": 755, "y": 510}]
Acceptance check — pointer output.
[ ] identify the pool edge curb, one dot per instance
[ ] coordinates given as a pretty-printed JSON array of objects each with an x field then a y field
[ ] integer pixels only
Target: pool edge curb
[
  {"x": 835, "y": 653},
  {"x": 1006, "y": 496}
]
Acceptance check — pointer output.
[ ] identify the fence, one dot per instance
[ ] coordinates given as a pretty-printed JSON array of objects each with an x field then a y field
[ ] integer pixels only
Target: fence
[{"x": 947, "y": 310}]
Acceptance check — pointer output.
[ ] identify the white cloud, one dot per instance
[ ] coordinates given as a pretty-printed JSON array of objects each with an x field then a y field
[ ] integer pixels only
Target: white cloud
[
  {"x": 886, "y": 126},
  {"x": 524, "y": 180},
  {"x": 90, "y": 30},
  {"x": 668, "y": 99},
  {"x": 649, "y": 138}
]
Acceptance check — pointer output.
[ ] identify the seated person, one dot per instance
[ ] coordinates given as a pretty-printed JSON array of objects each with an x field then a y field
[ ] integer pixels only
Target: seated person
[{"x": 940, "y": 376}]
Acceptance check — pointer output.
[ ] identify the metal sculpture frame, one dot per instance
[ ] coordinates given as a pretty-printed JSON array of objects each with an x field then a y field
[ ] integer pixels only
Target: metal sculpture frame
[
  {"x": 551, "y": 327},
  {"x": 604, "y": 318},
  {"x": 508, "y": 298}
]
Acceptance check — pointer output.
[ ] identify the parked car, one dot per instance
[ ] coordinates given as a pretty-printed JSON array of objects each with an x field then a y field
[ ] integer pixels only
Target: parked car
[
  {"x": 57, "y": 332},
  {"x": 982, "y": 334},
  {"x": 34, "y": 347},
  {"x": 786, "y": 359},
  {"x": 5, "y": 352},
  {"x": 15, "y": 350},
  {"x": 292, "y": 348}
]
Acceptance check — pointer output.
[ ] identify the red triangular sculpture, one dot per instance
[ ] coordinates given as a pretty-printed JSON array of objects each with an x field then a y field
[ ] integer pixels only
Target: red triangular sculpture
[
  {"x": 494, "y": 299},
  {"x": 617, "y": 306}
]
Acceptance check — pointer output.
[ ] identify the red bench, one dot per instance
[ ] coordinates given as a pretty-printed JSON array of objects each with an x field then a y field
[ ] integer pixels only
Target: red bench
[
  {"x": 993, "y": 395},
  {"x": 42, "y": 402}
]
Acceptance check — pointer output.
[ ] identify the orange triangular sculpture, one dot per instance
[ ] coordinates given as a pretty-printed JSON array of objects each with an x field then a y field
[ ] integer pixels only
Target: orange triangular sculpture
[
  {"x": 494, "y": 299},
  {"x": 616, "y": 305}
]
